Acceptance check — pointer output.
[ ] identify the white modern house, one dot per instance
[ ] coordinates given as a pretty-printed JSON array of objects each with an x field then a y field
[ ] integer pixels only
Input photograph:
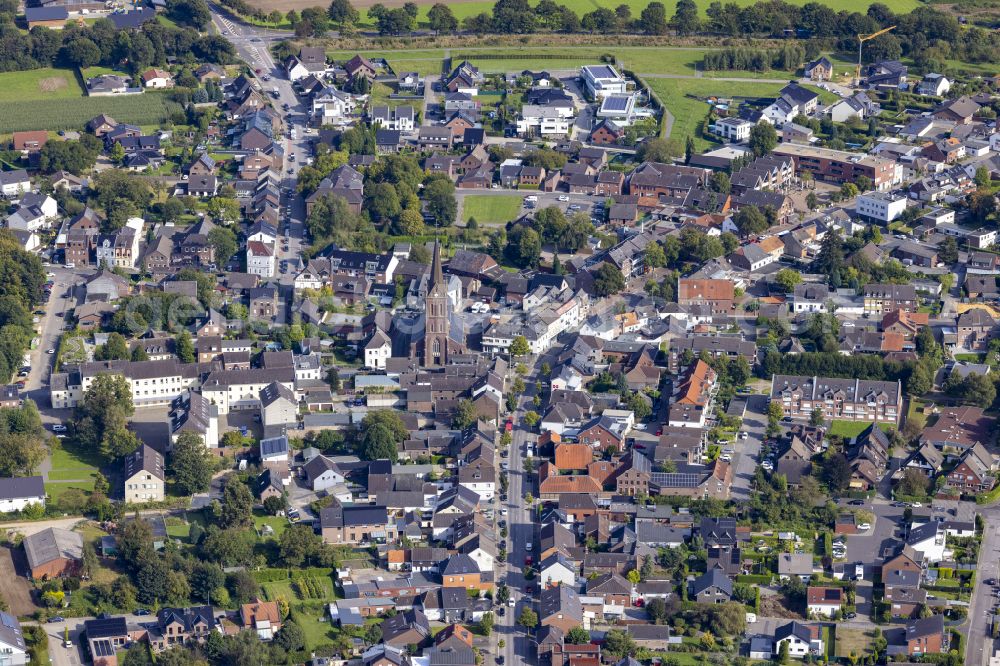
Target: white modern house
[
  {"x": 882, "y": 206},
  {"x": 544, "y": 120},
  {"x": 378, "y": 350},
  {"x": 333, "y": 107},
  {"x": 735, "y": 130},
  {"x": 602, "y": 80}
]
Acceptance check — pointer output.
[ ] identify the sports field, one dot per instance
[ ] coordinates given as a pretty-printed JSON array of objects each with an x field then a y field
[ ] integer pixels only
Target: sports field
[{"x": 39, "y": 84}]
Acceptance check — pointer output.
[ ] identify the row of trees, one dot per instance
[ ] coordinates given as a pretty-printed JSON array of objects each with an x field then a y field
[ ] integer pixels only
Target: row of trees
[{"x": 788, "y": 57}]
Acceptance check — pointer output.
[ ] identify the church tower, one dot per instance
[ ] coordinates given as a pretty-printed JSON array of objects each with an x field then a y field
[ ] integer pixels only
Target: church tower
[{"x": 436, "y": 321}]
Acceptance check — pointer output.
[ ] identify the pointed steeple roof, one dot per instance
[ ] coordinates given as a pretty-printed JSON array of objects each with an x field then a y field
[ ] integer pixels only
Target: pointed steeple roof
[{"x": 437, "y": 277}]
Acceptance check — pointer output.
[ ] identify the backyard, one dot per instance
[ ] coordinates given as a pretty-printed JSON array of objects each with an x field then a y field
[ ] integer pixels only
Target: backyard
[
  {"x": 71, "y": 468},
  {"x": 850, "y": 429}
]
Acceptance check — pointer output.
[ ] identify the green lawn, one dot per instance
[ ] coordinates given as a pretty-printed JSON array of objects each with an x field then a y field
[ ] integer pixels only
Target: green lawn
[
  {"x": 848, "y": 429},
  {"x": 685, "y": 99},
  {"x": 277, "y": 524},
  {"x": 39, "y": 84},
  {"x": 491, "y": 209},
  {"x": 178, "y": 527},
  {"x": 643, "y": 60},
  {"x": 68, "y": 457},
  {"x": 55, "y": 489},
  {"x": 315, "y": 627},
  {"x": 285, "y": 589}
]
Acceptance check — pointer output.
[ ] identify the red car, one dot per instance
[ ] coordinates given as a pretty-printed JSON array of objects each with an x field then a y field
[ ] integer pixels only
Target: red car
[
  {"x": 659, "y": 431},
  {"x": 528, "y": 561},
  {"x": 510, "y": 426},
  {"x": 257, "y": 71}
]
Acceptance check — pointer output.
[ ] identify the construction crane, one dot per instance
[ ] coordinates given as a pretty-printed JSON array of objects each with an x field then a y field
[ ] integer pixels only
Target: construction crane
[{"x": 861, "y": 40}]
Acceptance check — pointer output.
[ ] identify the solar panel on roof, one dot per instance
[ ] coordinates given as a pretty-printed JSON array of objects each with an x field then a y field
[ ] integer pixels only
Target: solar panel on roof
[
  {"x": 103, "y": 649},
  {"x": 615, "y": 103}
]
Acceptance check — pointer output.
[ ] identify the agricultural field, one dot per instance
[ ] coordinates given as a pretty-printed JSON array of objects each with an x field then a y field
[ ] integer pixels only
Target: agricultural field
[
  {"x": 73, "y": 113},
  {"x": 490, "y": 209},
  {"x": 39, "y": 85}
]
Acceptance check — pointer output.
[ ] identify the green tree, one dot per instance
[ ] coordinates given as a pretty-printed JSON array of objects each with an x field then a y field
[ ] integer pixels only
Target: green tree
[
  {"x": 342, "y": 13},
  {"x": 184, "y": 347},
  {"x": 236, "y": 509},
  {"x": 205, "y": 578},
  {"x": 750, "y": 220},
  {"x": 816, "y": 418},
  {"x": 299, "y": 544},
  {"x": 381, "y": 432},
  {"x": 223, "y": 240},
  {"x": 114, "y": 349},
  {"x": 102, "y": 417},
  {"x": 290, "y": 637},
  {"x": 440, "y": 19},
  {"x": 192, "y": 464},
  {"x": 486, "y": 624},
  {"x": 618, "y": 644},
  {"x": 519, "y": 347},
  {"x": 531, "y": 418},
  {"x": 836, "y": 471},
  {"x": 528, "y": 618},
  {"x": 465, "y": 415},
  {"x": 685, "y": 20},
  {"x": 788, "y": 279},
  {"x": 763, "y": 139},
  {"x": 578, "y": 636},
  {"x": 608, "y": 280},
  {"x": 653, "y": 19}
]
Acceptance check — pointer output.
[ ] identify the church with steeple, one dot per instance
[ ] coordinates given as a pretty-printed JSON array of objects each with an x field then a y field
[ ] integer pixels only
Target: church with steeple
[{"x": 437, "y": 318}]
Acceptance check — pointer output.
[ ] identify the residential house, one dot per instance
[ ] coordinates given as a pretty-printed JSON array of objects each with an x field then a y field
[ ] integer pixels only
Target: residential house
[{"x": 144, "y": 476}]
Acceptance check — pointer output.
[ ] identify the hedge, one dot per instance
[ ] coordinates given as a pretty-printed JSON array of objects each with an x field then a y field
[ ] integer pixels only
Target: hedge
[{"x": 754, "y": 579}]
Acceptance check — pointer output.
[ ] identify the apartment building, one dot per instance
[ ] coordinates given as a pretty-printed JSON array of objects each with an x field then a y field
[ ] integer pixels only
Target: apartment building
[
  {"x": 152, "y": 382},
  {"x": 842, "y": 399},
  {"x": 233, "y": 390},
  {"x": 839, "y": 166},
  {"x": 881, "y": 299}
]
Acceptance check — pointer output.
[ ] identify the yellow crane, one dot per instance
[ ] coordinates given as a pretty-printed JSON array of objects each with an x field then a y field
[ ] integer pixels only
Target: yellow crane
[{"x": 861, "y": 40}]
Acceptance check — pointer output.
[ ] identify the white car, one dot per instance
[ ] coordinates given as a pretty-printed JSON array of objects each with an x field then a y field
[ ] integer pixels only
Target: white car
[
  {"x": 916, "y": 505},
  {"x": 563, "y": 197},
  {"x": 640, "y": 426},
  {"x": 726, "y": 457},
  {"x": 58, "y": 427},
  {"x": 865, "y": 526},
  {"x": 50, "y": 351}
]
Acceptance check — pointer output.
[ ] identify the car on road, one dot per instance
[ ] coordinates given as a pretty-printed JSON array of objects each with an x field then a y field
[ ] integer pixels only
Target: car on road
[
  {"x": 500, "y": 659},
  {"x": 851, "y": 616},
  {"x": 726, "y": 457},
  {"x": 50, "y": 351},
  {"x": 58, "y": 427},
  {"x": 563, "y": 197},
  {"x": 141, "y": 611},
  {"x": 865, "y": 527},
  {"x": 990, "y": 581},
  {"x": 56, "y": 618},
  {"x": 501, "y": 611},
  {"x": 857, "y": 502}
]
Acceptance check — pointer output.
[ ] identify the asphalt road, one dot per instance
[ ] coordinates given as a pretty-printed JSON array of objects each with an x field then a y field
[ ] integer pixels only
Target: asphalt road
[
  {"x": 980, "y": 646},
  {"x": 253, "y": 47},
  {"x": 53, "y": 324}
]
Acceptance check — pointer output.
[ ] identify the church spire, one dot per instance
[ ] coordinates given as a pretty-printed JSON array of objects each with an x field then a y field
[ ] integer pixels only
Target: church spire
[{"x": 436, "y": 275}]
